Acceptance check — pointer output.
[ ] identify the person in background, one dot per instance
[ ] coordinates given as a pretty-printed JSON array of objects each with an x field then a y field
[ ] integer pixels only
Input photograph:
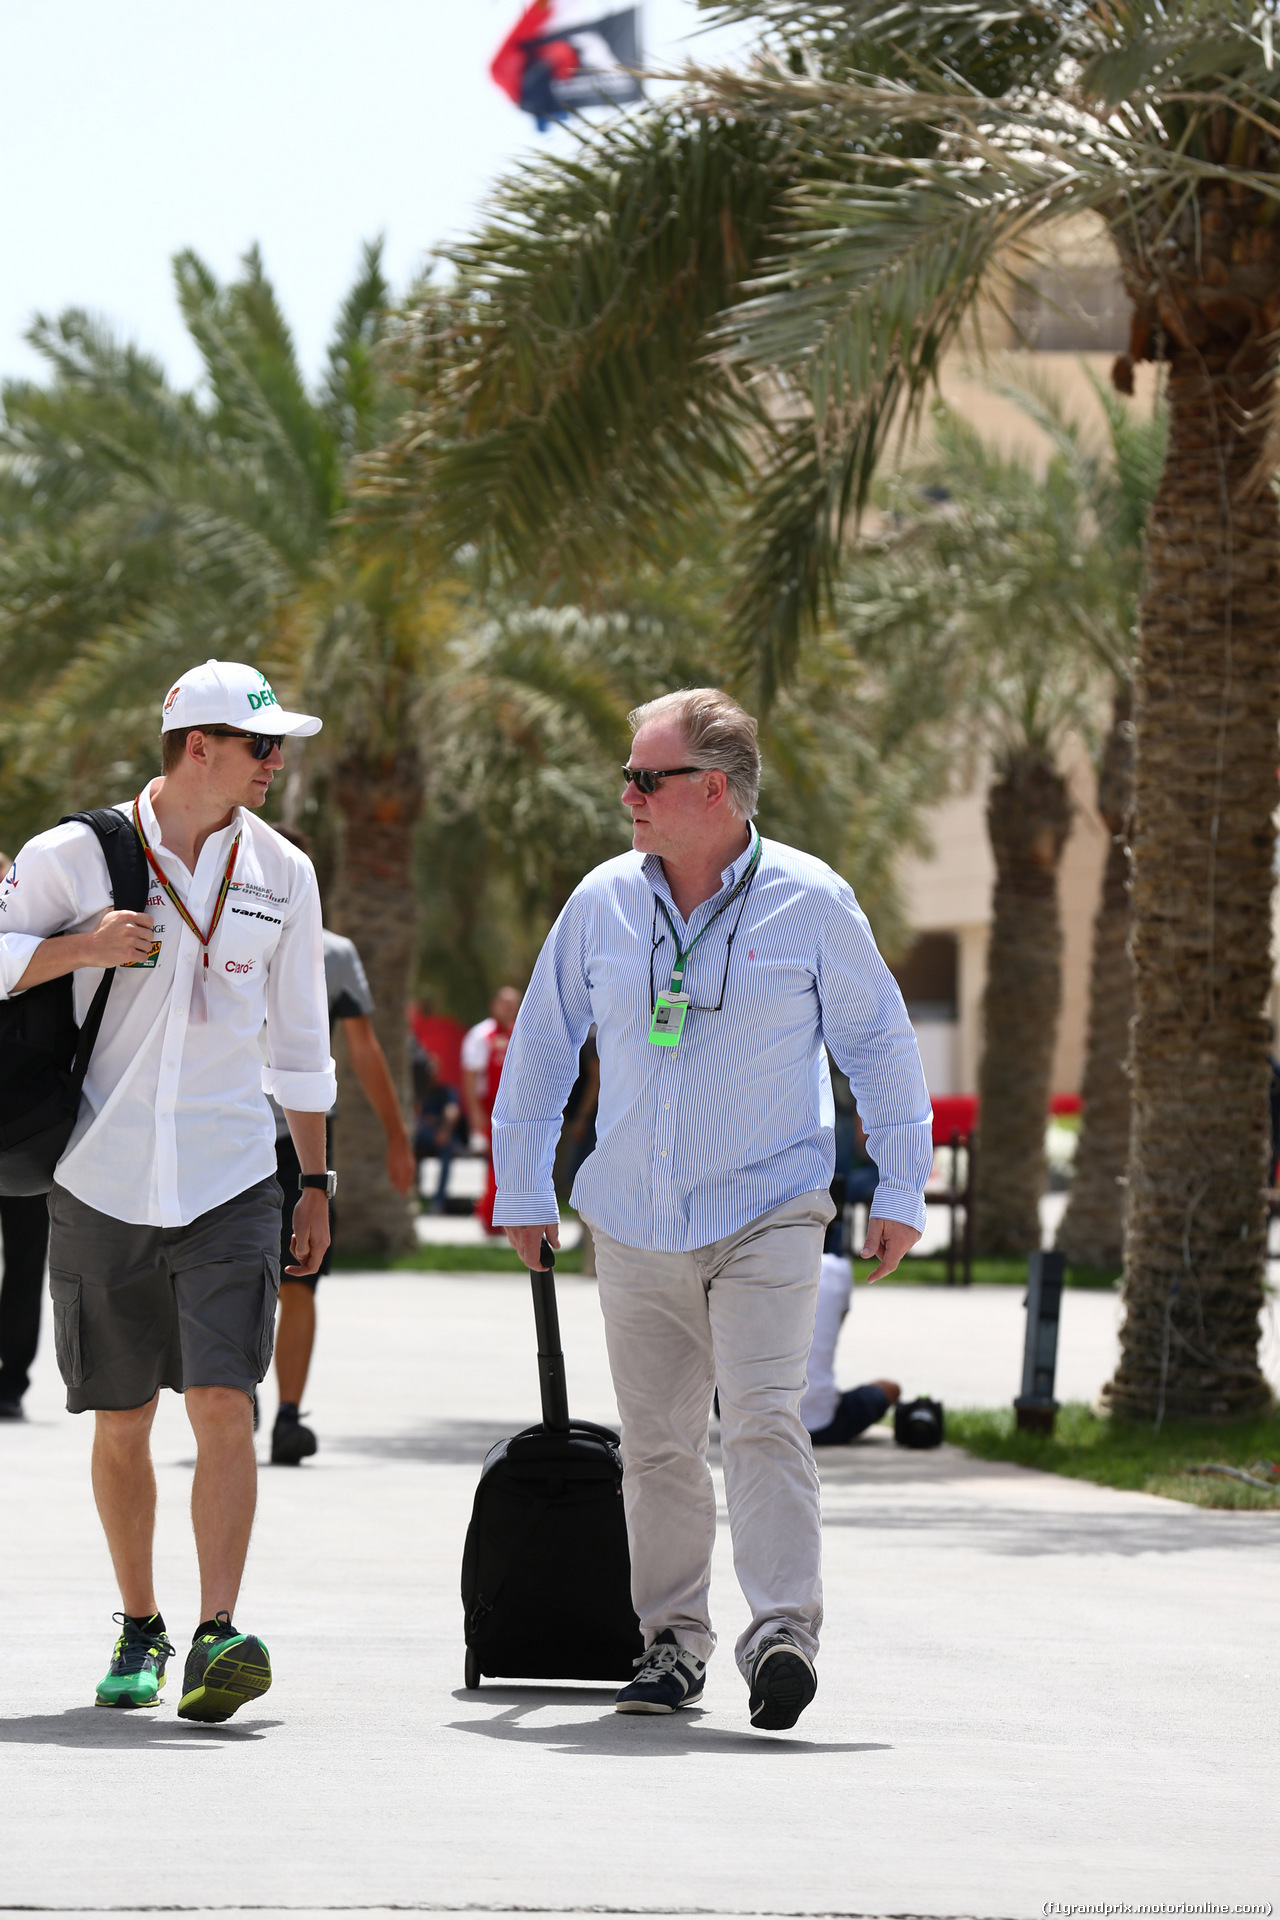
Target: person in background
[
  {"x": 584, "y": 1104},
  {"x": 24, "y": 1223},
  {"x": 437, "y": 1116},
  {"x": 350, "y": 1002},
  {"x": 832, "y": 1418},
  {"x": 483, "y": 1052}
]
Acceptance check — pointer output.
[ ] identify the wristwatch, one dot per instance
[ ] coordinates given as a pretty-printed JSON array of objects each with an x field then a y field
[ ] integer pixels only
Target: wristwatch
[{"x": 327, "y": 1182}]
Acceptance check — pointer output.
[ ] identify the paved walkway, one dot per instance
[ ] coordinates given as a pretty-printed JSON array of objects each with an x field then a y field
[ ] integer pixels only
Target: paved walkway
[{"x": 1032, "y": 1690}]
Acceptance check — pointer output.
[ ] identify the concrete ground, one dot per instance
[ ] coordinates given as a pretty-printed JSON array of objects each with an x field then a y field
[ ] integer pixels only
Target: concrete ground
[{"x": 1032, "y": 1690}]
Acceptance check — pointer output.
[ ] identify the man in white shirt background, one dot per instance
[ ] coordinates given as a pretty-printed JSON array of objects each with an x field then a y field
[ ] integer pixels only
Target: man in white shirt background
[
  {"x": 164, "y": 1249},
  {"x": 484, "y": 1048}
]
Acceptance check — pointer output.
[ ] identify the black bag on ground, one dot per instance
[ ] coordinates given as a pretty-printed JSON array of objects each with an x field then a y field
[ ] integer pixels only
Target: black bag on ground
[
  {"x": 546, "y": 1573},
  {"x": 918, "y": 1423},
  {"x": 43, "y": 1055}
]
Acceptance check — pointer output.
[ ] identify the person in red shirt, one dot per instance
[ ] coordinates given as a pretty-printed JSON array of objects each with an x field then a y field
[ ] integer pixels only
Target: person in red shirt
[{"x": 483, "y": 1052}]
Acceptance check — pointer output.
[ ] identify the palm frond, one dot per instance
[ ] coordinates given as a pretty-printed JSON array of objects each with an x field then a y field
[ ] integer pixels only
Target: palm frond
[
  {"x": 565, "y": 404},
  {"x": 355, "y": 394}
]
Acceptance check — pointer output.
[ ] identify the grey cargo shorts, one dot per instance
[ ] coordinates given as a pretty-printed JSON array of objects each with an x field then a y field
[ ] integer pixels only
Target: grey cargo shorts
[{"x": 136, "y": 1308}]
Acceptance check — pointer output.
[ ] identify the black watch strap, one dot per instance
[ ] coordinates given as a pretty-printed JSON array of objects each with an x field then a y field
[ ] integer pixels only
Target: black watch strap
[{"x": 326, "y": 1182}]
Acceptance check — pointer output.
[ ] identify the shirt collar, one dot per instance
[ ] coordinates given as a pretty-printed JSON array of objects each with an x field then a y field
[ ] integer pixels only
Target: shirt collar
[
  {"x": 155, "y": 838},
  {"x": 655, "y": 873}
]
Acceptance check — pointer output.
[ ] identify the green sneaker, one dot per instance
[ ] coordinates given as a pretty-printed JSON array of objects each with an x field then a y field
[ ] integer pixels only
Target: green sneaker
[
  {"x": 136, "y": 1673},
  {"x": 225, "y": 1669}
]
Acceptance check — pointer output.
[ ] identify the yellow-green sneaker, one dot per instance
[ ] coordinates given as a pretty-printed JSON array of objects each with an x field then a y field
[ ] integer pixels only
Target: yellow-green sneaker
[
  {"x": 136, "y": 1673},
  {"x": 225, "y": 1669}
]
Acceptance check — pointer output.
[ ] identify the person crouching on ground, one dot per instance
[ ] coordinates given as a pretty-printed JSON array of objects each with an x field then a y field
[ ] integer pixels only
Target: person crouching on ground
[
  {"x": 714, "y": 965},
  {"x": 832, "y": 1418},
  {"x": 164, "y": 1252}
]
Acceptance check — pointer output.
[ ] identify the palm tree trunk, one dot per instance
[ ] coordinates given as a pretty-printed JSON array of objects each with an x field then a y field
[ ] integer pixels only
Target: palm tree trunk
[
  {"x": 1207, "y": 703},
  {"x": 1092, "y": 1229},
  {"x": 1028, "y": 816},
  {"x": 375, "y": 905}
]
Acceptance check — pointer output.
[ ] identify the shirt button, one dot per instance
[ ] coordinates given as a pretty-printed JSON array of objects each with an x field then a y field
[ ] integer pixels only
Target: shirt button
[
  {"x": 664, "y": 1153},
  {"x": 666, "y": 1106}
]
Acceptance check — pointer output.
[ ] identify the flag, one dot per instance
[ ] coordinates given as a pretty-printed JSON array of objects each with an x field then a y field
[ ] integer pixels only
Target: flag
[{"x": 564, "y": 55}]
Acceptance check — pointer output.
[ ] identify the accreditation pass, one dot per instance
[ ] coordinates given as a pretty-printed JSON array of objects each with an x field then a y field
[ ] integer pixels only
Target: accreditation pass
[{"x": 668, "y": 1019}]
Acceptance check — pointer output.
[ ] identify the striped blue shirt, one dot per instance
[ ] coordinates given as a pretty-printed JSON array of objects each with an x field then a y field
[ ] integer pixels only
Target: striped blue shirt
[{"x": 696, "y": 1141}]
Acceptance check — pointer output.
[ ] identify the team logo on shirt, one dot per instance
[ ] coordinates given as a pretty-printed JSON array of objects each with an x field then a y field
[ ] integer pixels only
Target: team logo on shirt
[
  {"x": 150, "y": 959},
  {"x": 262, "y": 894},
  {"x": 239, "y": 966}
]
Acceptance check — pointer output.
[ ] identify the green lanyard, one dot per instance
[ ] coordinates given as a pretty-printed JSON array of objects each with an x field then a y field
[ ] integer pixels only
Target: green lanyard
[
  {"x": 669, "y": 1013},
  {"x": 677, "y": 971}
]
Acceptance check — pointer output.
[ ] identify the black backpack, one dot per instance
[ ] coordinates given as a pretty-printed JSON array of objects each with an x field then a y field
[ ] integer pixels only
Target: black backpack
[{"x": 43, "y": 1055}]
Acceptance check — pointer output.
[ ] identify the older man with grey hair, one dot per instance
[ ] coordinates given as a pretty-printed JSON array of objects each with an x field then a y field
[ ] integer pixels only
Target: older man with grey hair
[{"x": 717, "y": 968}]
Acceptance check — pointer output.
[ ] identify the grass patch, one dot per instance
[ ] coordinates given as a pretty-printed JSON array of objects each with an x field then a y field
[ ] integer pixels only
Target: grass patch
[
  {"x": 1113, "y": 1453},
  {"x": 930, "y": 1270},
  {"x": 499, "y": 1258}
]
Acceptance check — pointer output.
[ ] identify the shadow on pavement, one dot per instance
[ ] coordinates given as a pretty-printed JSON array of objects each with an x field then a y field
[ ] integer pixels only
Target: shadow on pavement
[
  {"x": 645, "y": 1737},
  {"x": 99, "y": 1727},
  {"x": 1028, "y": 1531},
  {"x": 447, "y": 1442},
  {"x": 532, "y": 1694}
]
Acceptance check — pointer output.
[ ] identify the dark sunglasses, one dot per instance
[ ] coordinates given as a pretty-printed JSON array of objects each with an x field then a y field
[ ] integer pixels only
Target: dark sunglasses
[
  {"x": 261, "y": 745},
  {"x": 647, "y": 778}
]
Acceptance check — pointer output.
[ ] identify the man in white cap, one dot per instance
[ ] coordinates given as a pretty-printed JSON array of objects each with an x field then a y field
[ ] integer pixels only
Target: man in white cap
[{"x": 165, "y": 1213}]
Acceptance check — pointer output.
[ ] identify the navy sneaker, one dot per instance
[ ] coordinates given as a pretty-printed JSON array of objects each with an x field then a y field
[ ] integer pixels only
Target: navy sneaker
[
  {"x": 669, "y": 1676},
  {"x": 783, "y": 1683}
]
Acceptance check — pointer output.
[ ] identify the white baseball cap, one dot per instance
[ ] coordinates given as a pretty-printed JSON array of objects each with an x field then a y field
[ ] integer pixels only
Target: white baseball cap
[{"x": 224, "y": 693}]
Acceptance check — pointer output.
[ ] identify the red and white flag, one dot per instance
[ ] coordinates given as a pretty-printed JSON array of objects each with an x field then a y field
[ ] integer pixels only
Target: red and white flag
[{"x": 564, "y": 55}]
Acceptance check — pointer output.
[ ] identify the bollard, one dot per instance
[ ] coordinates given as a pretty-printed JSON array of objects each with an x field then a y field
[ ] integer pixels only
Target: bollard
[{"x": 1035, "y": 1407}]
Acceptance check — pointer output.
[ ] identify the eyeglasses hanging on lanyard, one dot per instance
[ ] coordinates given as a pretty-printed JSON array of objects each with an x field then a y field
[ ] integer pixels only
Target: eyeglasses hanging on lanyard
[{"x": 670, "y": 1007}]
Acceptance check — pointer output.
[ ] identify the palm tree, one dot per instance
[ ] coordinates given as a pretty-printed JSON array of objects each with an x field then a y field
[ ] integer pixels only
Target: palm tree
[
  {"x": 985, "y": 576},
  {"x": 142, "y": 527},
  {"x": 1115, "y": 479},
  {"x": 1118, "y": 483},
  {"x": 761, "y": 279}
]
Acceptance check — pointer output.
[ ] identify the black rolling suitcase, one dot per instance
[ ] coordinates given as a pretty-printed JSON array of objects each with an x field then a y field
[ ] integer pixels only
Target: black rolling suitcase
[{"x": 546, "y": 1574}]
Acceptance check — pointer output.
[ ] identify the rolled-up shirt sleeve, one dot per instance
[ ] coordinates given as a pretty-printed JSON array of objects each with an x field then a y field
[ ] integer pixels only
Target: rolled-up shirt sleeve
[
  {"x": 38, "y": 898},
  {"x": 866, "y": 1026},
  {"x": 300, "y": 1071},
  {"x": 538, "y": 1073}
]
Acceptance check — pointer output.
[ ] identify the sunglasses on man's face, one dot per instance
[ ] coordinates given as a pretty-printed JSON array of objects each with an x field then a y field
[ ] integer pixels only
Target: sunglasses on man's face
[
  {"x": 647, "y": 778},
  {"x": 261, "y": 745}
]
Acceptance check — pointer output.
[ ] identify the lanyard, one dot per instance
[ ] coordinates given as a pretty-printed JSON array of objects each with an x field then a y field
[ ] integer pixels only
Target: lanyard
[
  {"x": 158, "y": 870},
  {"x": 677, "y": 971}
]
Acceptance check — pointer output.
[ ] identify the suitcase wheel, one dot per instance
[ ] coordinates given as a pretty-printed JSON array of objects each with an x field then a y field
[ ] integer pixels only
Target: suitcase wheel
[{"x": 471, "y": 1673}]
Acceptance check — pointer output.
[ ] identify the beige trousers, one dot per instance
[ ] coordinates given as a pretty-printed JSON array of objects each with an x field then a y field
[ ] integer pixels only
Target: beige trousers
[{"x": 737, "y": 1314}]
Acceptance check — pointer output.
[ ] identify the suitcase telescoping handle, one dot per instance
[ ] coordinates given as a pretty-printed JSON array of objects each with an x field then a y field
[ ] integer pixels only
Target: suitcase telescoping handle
[{"x": 555, "y": 1393}]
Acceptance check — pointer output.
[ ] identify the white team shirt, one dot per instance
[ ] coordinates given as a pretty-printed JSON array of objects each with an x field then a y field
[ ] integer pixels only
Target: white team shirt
[
  {"x": 477, "y": 1048},
  {"x": 174, "y": 1119}
]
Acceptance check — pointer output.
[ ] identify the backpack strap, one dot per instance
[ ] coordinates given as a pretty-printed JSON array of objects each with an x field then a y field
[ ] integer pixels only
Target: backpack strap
[
  {"x": 127, "y": 868},
  {"x": 126, "y": 862}
]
